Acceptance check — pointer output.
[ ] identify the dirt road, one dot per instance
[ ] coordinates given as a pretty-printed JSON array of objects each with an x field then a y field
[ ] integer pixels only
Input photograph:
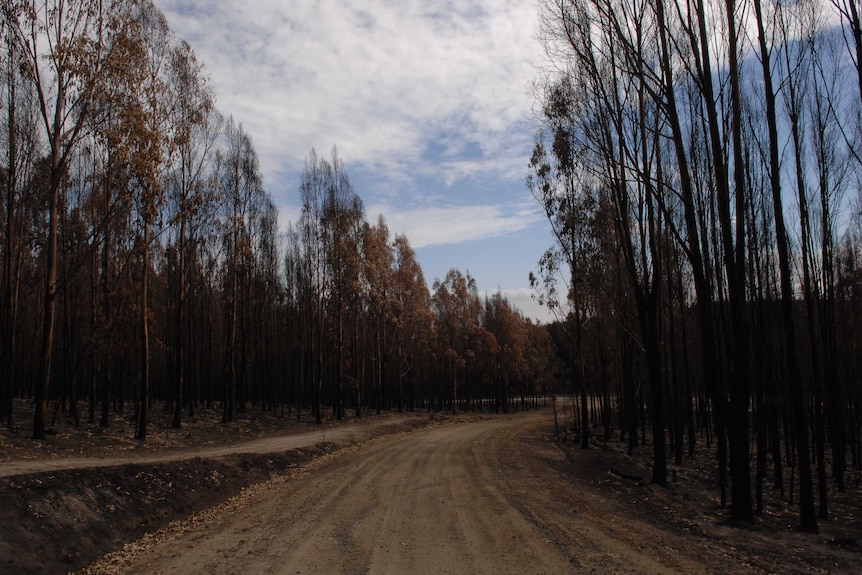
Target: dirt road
[{"x": 478, "y": 497}]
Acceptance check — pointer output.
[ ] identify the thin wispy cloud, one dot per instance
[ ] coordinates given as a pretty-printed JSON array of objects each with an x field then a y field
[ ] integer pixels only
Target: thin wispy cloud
[{"x": 430, "y": 226}]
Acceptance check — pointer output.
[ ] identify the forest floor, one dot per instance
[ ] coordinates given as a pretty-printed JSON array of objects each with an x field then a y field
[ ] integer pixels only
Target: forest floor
[{"x": 413, "y": 493}]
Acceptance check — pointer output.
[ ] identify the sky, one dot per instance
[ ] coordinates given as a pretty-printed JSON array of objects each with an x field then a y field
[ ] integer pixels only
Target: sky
[{"x": 429, "y": 105}]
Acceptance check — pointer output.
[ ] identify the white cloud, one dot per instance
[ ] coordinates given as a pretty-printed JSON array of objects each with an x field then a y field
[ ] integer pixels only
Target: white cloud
[
  {"x": 381, "y": 79},
  {"x": 442, "y": 225}
]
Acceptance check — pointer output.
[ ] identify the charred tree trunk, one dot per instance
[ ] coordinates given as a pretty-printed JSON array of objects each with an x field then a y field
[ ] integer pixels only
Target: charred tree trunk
[{"x": 141, "y": 433}]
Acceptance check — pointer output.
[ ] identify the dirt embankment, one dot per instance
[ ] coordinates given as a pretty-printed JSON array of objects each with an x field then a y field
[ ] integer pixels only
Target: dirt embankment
[
  {"x": 86, "y": 492},
  {"x": 60, "y": 521}
]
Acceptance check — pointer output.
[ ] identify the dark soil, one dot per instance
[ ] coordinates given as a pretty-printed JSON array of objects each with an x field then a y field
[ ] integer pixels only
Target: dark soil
[{"x": 691, "y": 504}]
